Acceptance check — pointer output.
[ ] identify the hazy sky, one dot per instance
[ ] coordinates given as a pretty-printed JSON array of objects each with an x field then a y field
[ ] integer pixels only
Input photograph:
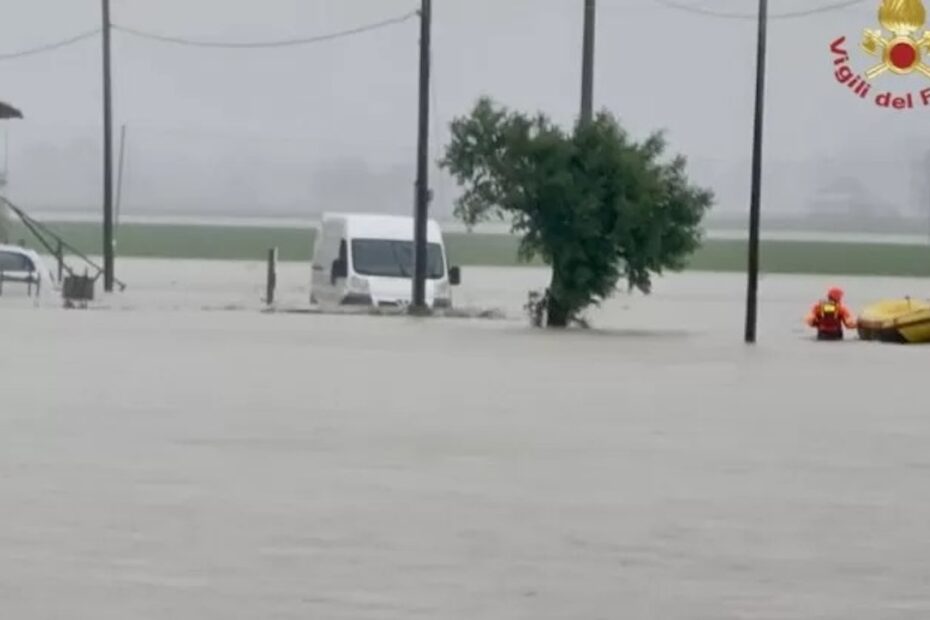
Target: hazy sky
[{"x": 273, "y": 130}]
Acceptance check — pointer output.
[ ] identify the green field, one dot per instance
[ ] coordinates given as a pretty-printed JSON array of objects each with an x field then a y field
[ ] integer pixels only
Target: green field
[
  {"x": 229, "y": 242},
  {"x": 882, "y": 225}
]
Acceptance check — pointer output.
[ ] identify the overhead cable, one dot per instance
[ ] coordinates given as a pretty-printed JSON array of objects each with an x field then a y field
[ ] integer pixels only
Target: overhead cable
[
  {"x": 706, "y": 12},
  {"x": 267, "y": 44},
  {"x": 50, "y": 46}
]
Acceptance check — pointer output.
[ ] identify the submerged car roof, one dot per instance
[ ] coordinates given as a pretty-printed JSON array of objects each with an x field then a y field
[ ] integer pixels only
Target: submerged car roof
[
  {"x": 36, "y": 258},
  {"x": 375, "y": 226},
  {"x": 15, "y": 249}
]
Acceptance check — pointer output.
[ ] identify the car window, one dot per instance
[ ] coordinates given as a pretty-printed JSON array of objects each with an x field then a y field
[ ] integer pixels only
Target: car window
[
  {"x": 394, "y": 259},
  {"x": 13, "y": 261}
]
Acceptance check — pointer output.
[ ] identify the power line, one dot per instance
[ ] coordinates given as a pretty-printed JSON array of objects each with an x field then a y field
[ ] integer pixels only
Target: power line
[
  {"x": 697, "y": 10},
  {"x": 192, "y": 42},
  {"x": 669, "y": 4},
  {"x": 51, "y": 46},
  {"x": 268, "y": 44}
]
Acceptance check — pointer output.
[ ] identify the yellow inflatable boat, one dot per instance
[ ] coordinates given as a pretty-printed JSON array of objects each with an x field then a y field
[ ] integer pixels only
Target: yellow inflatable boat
[{"x": 904, "y": 320}]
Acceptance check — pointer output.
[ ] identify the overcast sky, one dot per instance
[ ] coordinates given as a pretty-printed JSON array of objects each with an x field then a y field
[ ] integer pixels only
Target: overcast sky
[{"x": 332, "y": 125}]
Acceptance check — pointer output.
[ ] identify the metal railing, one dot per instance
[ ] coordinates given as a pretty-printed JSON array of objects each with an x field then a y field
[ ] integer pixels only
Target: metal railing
[{"x": 56, "y": 245}]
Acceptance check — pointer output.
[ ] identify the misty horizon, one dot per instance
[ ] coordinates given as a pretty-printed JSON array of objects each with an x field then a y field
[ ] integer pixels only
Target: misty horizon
[{"x": 332, "y": 126}]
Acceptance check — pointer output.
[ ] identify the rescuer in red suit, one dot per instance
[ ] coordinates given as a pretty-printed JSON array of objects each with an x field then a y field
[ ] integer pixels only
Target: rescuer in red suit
[{"x": 829, "y": 316}]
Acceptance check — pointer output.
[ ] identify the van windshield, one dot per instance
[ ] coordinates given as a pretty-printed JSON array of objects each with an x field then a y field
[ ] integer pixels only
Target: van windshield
[{"x": 393, "y": 259}]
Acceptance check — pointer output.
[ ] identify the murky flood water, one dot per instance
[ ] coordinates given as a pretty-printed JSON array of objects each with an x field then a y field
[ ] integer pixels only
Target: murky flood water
[{"x": 162, "y": 461}]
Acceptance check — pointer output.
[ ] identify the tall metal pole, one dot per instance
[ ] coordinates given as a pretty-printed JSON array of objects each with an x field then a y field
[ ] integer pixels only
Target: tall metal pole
[
  {"x": 587, "y": 63},
  {"x": 422, "y": 183},
  {"x": 755, "y": 192},
  {"x": 108, "y": 275}
]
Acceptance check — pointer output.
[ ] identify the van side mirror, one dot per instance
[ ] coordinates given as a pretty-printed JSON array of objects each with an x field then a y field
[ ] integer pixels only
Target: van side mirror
[
  {"x": 455, "y": 276},
  {"x": 340, "y": 269}
]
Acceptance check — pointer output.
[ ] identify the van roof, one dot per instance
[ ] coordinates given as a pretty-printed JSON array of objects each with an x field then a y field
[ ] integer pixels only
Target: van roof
[{"x": 376, "y": 226}]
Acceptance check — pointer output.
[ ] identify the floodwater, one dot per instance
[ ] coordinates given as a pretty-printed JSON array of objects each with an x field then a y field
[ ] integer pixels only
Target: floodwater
[{"x": 182, "y": 455}]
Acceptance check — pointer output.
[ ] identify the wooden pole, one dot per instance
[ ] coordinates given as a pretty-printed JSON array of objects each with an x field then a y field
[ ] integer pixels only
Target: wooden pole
[
  {"x": 272, "y": 279},
  {"x": 756, "y": 190},
  {"x": 587, "y": 63},
  {"x": 108, "y": 245},
  {"x": 421, "y": 209}
]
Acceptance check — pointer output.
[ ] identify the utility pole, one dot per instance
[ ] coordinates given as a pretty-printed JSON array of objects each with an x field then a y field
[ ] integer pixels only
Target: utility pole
[
  {"x": 587, "y": 63},
  {"x": 755, "y": 192},
  {"x": 108, "y": 275},
  {"x": 422, "y": 184}
]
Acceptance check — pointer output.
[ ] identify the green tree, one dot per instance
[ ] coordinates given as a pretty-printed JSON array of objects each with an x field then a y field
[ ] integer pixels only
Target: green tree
[{"x": 594, "y": 204}]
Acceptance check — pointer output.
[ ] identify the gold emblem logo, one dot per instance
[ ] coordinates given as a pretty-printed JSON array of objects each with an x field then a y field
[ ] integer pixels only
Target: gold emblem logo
[{"x": 903, "y": 52}]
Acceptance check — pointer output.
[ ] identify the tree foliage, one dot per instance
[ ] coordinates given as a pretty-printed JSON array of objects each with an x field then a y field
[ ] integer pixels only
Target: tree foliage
[{"x": 593, "y": 204}]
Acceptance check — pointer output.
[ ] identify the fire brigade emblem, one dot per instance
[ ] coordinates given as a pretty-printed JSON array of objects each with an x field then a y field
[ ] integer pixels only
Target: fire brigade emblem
[{"x": 901, "y": 53}]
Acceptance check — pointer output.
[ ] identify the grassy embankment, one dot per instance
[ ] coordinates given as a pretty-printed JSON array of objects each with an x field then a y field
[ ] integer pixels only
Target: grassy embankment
[{"x": 229, "y": 242}]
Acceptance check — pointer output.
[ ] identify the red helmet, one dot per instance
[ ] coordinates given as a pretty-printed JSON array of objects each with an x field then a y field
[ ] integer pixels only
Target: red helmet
[{"x": 835, "y": 294}]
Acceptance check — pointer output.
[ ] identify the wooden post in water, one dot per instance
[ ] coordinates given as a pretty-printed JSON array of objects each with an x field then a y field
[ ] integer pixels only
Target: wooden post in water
[
  {"x": 60, "y": 256},
  {"x": 272, "y": 279}
]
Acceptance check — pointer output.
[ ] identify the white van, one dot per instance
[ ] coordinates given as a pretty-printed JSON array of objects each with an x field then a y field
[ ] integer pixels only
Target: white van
[{"x": 362, "y": 259}]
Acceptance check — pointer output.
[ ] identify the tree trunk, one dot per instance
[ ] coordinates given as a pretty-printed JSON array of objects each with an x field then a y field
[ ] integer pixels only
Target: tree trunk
[{"x": 557, "y": 314}]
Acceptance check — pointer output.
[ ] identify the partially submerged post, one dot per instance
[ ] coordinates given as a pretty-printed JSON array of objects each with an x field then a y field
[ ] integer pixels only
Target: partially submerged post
[
  {"x": 272, "y": 279},
  {"x": 60, "y": 257}
]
